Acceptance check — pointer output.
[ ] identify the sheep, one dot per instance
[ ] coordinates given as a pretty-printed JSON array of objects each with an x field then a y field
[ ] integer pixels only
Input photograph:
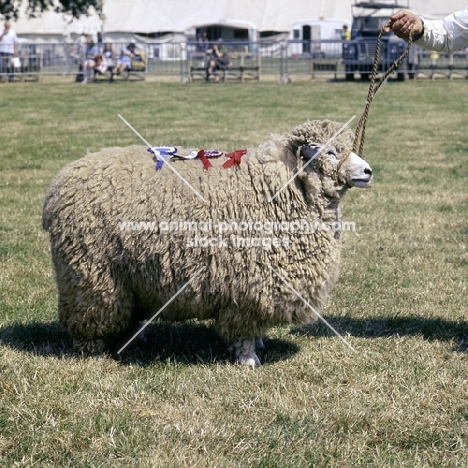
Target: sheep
[{"x": 110, "y": 277}]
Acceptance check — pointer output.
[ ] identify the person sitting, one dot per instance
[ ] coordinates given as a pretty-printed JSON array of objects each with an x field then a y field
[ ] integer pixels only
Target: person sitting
[
  {"x": 107, "y": 62},
  {"x": 124, "y": 63},
  {"x": 217, "y": 59},
  {"x": 89, "y": 62}
]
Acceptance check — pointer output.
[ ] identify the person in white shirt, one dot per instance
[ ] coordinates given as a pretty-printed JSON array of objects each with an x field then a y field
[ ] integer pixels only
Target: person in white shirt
[
  {"x": 8, "y": 48},
  {"x": 447, "y": 35}
]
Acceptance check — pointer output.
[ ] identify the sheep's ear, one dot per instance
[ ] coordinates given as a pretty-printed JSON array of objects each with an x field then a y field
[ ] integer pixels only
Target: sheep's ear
[{"x": 310, "y": 152}]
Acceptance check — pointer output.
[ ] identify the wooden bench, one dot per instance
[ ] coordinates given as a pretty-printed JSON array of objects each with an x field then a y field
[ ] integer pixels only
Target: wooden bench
[
  {"x": 435, "y": 65},
  {"x": 324, "y": 65},
  {"x": 128, "y": 75},
  {"x": 136, "y": 73},
  {"x": 240, "y": 73},
  {"x": 447, "y": 71}
]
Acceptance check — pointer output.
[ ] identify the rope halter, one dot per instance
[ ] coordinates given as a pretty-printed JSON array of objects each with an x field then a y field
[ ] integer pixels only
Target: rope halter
[{"x": 360, "y": 134}]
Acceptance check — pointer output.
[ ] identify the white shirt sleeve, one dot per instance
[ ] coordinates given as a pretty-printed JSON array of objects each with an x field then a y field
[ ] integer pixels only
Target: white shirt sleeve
[{"x": 447, "y": 35}]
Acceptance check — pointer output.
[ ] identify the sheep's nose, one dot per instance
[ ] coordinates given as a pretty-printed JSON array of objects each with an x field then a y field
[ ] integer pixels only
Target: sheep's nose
[{"x": 368, "y": 170}]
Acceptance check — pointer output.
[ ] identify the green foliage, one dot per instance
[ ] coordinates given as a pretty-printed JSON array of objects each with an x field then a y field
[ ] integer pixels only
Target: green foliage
[{"x": 76, "y": 8}]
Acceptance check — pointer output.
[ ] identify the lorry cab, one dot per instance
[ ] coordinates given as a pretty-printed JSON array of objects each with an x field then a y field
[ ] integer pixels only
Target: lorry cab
[{"x": 359, "y": 52}]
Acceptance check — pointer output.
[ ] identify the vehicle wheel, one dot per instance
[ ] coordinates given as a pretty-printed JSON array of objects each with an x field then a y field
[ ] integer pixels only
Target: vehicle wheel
[
  {"x": 412, "y": 71},
  {"x": 401, "y": 76},
  {"x": 349, "y": 73}
]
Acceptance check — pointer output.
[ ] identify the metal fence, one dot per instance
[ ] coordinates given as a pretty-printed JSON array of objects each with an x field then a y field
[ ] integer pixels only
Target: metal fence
[{"x": 281, "y": 61}]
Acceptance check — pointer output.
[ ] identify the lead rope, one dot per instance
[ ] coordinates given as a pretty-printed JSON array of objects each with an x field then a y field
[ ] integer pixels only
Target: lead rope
[{"x": 360, "y": 134}]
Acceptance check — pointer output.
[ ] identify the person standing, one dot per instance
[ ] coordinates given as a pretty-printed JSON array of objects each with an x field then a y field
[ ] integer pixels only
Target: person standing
[
  {"x": 8, "y": 48},
  {"x": 447, "y": 35},
  {"x": 346, "y": 33}
]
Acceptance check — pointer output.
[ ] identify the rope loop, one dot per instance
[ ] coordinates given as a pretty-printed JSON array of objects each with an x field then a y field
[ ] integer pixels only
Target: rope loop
[{"x": 360, "y": 134}]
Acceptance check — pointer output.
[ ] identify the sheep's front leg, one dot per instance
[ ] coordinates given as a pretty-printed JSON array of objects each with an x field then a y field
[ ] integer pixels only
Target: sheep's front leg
[
  {"x": 259, "y": 343},
  {"x": 245, "y": 352}
]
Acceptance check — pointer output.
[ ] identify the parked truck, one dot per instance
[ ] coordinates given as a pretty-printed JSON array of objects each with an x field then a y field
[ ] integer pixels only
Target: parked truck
[{"x": 359, "y": 51}]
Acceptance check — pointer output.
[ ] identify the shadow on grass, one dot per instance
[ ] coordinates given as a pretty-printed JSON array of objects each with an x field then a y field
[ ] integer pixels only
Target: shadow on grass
[
  {"x": 198, "y": 343},
  {"x": 429, "y": 329},
  {"x": 183, "y": 343}
]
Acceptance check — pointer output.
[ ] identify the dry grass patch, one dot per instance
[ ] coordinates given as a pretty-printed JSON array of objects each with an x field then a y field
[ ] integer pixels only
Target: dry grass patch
[{"x": 401, "y": 401}]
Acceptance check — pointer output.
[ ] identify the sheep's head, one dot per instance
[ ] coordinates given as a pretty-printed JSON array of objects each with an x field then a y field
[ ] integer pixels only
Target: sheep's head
[
  {"x": 351, "y": 170},
  {"x": 329, "y": 170}
]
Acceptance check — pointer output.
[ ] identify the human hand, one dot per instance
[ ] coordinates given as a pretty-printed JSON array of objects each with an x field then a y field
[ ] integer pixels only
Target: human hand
[{"x": 404, "y": 23}]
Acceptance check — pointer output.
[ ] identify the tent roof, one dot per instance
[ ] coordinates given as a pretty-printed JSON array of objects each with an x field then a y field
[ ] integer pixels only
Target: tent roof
[
  {"x": 51, "y": 23},
  {"x": 264, "y": 15},
  {"x": 150, "y": 16}
]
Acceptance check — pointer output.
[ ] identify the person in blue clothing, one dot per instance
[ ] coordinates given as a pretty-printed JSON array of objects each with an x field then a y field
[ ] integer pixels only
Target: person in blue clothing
[
  {"x": 92, "y": 54},
  {"x": 125, "y": 60}
]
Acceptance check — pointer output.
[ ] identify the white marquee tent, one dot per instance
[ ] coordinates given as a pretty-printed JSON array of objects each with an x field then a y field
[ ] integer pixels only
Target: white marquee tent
[{"x": 183, "y": 16}]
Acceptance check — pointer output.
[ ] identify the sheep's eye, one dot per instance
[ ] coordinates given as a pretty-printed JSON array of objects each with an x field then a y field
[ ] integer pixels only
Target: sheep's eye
[
  {"x": 332, "y": 156},
  {"x": 313, "y": 152}
]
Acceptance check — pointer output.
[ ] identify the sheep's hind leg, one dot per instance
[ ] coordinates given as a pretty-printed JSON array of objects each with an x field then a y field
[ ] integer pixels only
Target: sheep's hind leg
[
  {"x": 245, "y": 350},
  {"x": 94, "y": 318}
]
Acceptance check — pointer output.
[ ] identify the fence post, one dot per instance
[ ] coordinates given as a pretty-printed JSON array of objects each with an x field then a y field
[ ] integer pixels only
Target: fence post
[
  {"x": 259, "y": 63},
  {"x": 284, "y": 70},
  {"x": 149, "y": 63},
  {"x": 183, "y": 62}
]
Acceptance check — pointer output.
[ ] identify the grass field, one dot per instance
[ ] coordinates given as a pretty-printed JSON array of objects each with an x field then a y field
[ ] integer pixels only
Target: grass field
[{"x": 400, "y": 401}]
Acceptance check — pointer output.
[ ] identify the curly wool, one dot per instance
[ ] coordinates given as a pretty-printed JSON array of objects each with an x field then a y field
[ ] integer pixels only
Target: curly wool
[{"x": 108, "y": 279}]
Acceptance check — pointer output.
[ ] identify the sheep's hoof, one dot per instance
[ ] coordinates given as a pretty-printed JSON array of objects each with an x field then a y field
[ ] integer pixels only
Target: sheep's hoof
[
  {"x": 249, "y": 360},
  {"x": 245, "y": 352}
]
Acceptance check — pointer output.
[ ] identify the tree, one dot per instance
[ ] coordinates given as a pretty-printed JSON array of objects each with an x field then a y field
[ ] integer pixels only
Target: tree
[{"x": 76, "y": 8}]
